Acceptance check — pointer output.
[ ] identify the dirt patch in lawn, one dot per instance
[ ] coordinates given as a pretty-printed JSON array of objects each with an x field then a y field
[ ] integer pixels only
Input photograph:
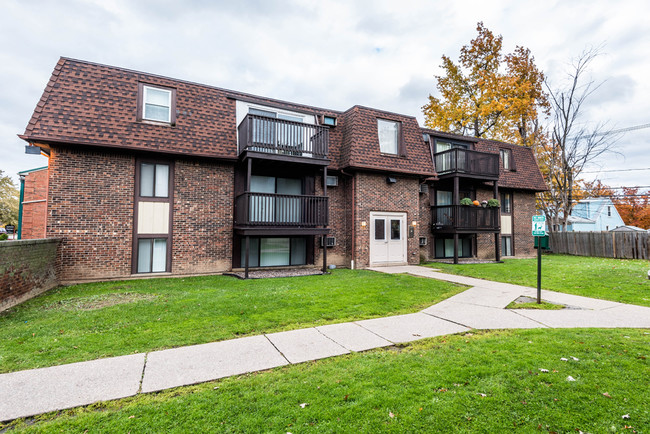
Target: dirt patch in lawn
[
  {"x": 525, "y": 302},
  {"x": 100, "y": 301}
]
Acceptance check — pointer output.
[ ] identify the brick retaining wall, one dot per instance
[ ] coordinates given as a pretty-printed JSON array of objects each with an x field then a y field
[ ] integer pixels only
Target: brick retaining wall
[{"x": 27, "y": 268}]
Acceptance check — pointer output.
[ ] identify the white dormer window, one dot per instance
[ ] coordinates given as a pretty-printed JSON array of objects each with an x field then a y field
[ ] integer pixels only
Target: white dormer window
[
  {"x": 388, "y": 136},
  {"x": 156, "y": 104}
]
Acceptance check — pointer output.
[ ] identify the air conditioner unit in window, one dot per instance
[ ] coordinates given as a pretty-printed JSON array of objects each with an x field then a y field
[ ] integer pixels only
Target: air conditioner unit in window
[
  {"x": 329, "y": 241},
  {"x": 423, "y": 241},
  {"x": 424, "y": 188},
  {"x": 332, "y": 181}
]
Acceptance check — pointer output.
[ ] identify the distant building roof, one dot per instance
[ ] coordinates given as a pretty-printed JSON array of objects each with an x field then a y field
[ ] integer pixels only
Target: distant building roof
[{"x": 628, "y": 228}]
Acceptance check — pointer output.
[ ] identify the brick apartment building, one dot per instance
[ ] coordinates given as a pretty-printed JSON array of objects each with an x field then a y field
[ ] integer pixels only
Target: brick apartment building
[{"x": 149, "y": 174}]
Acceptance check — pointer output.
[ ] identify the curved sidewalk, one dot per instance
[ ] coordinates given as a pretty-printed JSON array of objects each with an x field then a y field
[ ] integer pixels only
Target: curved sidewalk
[{"x": 482, "y": 306}]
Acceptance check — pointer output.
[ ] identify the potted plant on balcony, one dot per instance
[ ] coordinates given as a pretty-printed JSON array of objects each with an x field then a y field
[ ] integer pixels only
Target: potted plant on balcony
[
  {"x": 466, "y": 201},
  {"x": 493, "y": 203}
]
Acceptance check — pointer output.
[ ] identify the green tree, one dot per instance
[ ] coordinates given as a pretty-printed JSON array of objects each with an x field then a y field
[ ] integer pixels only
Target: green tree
[
  {"x": 488, "y": 94},
  {"x": 8, "y": 201}
]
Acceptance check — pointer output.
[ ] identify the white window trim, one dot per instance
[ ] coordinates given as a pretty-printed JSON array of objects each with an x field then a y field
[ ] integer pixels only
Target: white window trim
[{"x": 145, "y": 90}]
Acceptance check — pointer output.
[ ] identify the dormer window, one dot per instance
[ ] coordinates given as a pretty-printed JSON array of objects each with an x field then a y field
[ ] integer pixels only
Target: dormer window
[
  {"x": 506, "y": 158},
  {"x": 388, "y": 132},
  {"x": 157, "y": 104}
]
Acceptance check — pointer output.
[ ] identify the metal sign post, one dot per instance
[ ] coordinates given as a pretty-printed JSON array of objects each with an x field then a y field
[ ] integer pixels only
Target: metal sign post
[{"x": 539, "y": 230}]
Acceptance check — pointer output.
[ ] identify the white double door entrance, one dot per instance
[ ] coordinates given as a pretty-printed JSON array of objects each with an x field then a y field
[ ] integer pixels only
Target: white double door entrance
[{"x": 387, "y": 238}]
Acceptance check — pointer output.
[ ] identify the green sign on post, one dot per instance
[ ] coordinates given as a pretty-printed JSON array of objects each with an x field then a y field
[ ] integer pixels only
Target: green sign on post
[
  {"x": 539, "y": 225},
  {"x": 539, "y": 230}
]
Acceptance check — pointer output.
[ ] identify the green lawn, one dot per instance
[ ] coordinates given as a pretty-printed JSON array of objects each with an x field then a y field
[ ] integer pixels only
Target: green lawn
[
  {"x": 493, "y": 382},
  {"x": 97, "y": 320},
  {"x": 621, "y": 280}
]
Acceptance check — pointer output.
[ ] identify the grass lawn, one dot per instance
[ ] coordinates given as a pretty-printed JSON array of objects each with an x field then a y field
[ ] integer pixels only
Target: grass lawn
[
  {"x": 96, "y": 320},
  {"x": 622, "y": 280},
  {"x": 496, "y": 382}
]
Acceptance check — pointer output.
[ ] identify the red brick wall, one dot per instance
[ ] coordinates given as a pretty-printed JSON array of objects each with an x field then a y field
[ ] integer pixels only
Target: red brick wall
[
  {"x": 203, "y": 219},
  {"x": 424, "y": 225},
  {"x": 34, "y": 205},
  {"x": 90, "y": 206},
  {"x": 523, "y": 208},
  {"x": 374, "y": 194},
  {"x": 339, "y": 218},
  {"x": 27, "y": 268}
]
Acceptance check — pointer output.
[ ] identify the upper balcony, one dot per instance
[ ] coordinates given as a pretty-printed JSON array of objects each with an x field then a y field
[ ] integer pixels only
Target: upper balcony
[
  {"x": 464, "y": 162},
  {"x": 279, "y": 139},
  {"x": 464, "y": 219},
  {"x": 291, "y": 213}
]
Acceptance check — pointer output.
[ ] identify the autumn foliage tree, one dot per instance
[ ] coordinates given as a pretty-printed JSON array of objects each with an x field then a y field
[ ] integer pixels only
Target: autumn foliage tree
[
  {"x": 634, "y": 207},
  {"x": 488, "y": 94}
]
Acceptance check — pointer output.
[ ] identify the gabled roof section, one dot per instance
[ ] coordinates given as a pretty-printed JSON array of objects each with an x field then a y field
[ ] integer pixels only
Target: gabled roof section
[{"x": 360, "y": 147}]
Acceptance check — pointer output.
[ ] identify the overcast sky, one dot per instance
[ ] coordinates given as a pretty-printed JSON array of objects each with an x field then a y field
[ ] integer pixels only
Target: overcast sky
[{"x": 333, "y": 54}]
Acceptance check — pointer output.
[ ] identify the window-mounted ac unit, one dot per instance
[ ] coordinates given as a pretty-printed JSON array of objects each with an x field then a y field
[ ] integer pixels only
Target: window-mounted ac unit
[
  {"x": 329, "y": 241},
  {"x": 332, "y": 181},
  {"x": 424, "y": 188},
  {"x": 423, "y": 241}
]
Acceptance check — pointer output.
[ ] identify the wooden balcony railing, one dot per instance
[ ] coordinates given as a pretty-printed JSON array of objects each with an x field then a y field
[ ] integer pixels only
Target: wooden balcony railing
[
  {"x": 467, "y": 162},
  {"x": 281, "y": 210},
  {"x": 278, "y": 136},
  {"x": 464, "y": 218}
]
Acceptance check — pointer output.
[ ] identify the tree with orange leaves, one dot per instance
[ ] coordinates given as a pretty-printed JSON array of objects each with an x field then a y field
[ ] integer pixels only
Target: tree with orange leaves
[
  {"x": 634, "y": 207},
  {"x": 488, "y": 94}
]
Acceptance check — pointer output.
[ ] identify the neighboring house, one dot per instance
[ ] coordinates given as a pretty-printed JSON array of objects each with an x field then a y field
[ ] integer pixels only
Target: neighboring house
[
  {"x": 32, "y": 211},
  {"x": 149, "y": 174},
  {"x": 594, "y": 215},
  {"x": 628, "y": 228}
]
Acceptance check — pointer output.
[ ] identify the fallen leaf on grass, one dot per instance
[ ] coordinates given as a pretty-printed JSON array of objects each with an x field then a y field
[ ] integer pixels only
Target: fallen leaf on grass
[
  {"x": 564, "y": 359},
  {"x": 543, "y": 370},
  {"x": 575, "y": 358},
  {"x": 131, "y": 417},
  {"x": 625, "y": 416},
  {"x": 607, "y": 395},
  {"x": 390, "y": 413},
  {"x": 482, "y": 395},
  {"x": 570, "y": 378},
  {"x": 303, "y": 405}
]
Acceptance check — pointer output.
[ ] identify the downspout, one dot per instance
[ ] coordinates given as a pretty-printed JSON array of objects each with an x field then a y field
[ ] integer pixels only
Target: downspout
[{"x": 20, "y": 206}]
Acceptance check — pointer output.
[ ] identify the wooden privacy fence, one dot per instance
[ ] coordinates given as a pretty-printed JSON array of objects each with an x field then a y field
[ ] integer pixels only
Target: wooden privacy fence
[{"x": 623, "y": 245}]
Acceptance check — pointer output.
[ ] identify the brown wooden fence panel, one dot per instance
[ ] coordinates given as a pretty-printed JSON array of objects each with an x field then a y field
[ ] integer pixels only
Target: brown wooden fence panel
[{"x": 624, "y": 245}]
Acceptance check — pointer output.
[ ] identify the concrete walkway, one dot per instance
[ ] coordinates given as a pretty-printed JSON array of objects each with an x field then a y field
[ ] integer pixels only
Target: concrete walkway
[{"x": 31, "y": 392}]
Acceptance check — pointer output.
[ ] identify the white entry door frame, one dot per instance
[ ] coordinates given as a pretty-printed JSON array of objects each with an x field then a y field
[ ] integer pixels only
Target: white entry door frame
[{"x": 388, "y": 238}]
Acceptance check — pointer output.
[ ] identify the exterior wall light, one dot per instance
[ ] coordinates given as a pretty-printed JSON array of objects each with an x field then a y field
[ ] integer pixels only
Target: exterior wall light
[
  {"x": 364, "y": 224},
  {"x": 414, "y": 223}
]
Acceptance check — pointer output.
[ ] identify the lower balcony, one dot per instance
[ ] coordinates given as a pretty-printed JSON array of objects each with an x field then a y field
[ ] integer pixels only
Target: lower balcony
[
  {"x": 464, "y": 219},
  {"x": 281, "y": 214}
]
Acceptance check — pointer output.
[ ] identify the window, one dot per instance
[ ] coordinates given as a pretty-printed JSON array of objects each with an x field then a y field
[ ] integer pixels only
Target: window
[
  {"x": 506, "y": 245},
  {"x": 505, "y": 158},
  {"x": 152, "y": 234},
  {"x": 388, "y": 136},
  {"x": 609, "y": 211},
  {"x": 152, "y": 255},
  {"x": 157, "y": 104},
  {"x": 275, "y": 252},
  {"x": 444, "y": 247},
  {"x": 506, "y": 203},
  {"x": 380, "y": 230},
  {"x": 395, "y": 230},
  {"x": 270, "y": 208},
  {"x": 329, "y": 120},
  {"x": 154, "y": 180}
]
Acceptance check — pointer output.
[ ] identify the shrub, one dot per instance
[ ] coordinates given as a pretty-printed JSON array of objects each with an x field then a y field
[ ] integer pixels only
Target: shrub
[
  {"x": 494, "y": 203},
  {"x": 466, "y": 201},
  {"x": 3, "y": 237}
]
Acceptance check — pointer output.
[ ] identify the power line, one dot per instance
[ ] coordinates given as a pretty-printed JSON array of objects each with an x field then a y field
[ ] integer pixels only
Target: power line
[
  {"x": 607, "y": 133},
  {"x": 616, "y": 170}
]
